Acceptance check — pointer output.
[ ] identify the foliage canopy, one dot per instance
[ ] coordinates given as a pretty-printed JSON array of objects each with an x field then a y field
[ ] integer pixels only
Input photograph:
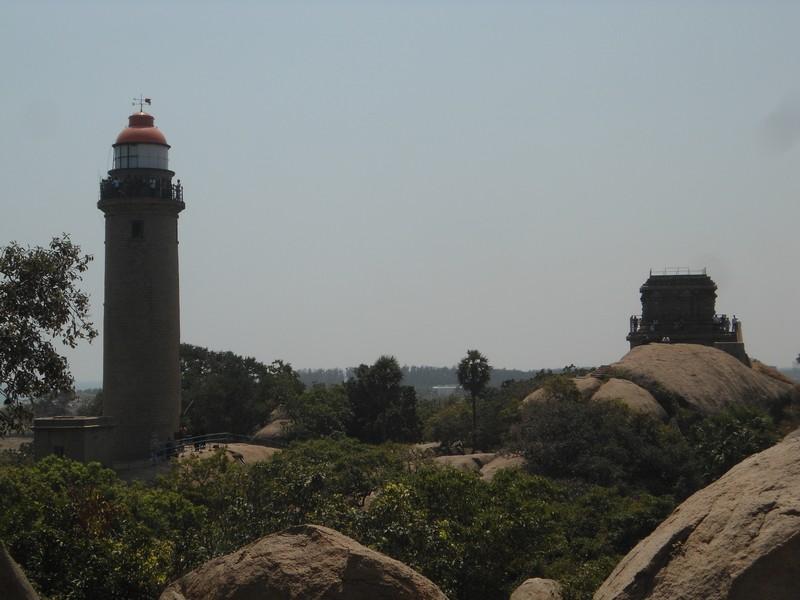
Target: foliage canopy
[
  {"x": 222, "y": 391},
  {"x": 40, "y": 306},
  {"x": 383, "y": 409}
]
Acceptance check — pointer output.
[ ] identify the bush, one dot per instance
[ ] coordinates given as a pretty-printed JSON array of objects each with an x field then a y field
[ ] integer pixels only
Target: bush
[
  {"x": 449, "y": 424},
  {"x": 606, "y": 444},
  {"x": 479, "y": 540},
  {"x": 81, "y": 533},
  {"x": 721, "y": 441},
  {"x": 321, "y": 411}
]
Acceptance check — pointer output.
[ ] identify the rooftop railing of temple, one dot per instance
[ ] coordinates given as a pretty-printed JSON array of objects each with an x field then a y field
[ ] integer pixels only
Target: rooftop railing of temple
[
  {"x": 721, "y": 324},
  {"x": 140, "y": 188},
  {"x": 678, "y": 271}
]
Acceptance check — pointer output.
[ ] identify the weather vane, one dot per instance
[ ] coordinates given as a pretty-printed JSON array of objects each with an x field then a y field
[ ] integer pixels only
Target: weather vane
[{"x": 141, "y": 101}]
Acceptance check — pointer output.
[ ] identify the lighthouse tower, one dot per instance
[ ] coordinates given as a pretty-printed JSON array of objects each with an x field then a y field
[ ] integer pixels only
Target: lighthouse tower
[{"x": 141, "y": 327}]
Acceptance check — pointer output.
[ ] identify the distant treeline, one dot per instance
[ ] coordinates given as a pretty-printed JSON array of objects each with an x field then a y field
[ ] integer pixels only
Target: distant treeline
[{"x": 421, "y": 377}]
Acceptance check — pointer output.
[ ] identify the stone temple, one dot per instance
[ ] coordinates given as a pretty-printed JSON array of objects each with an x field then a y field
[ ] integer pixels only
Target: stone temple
[
  {"x": 679, "y": 306},
  {"x": 141, "y": 326}
]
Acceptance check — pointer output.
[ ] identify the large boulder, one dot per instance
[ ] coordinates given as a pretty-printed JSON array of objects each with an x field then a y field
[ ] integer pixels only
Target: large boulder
[
  {"x": 428, "y": 449},
  {"x": 586, "y": 385},
  {"x": 274, "y": 432},
  {"x": 502, "y": 461},
  {"x": 631, "y": 395},
  {"x": 307, "y": 562},
  {"x": 466, "y": 462},
  {"x": 13, "y": 583},
  {"x": 705, "y": 378},
  {"x": 235, "y": 452},
  {"x": 769, "y": 371},
  {"x": 737, "y": 539},
  {"x": 537, "y": 589}
]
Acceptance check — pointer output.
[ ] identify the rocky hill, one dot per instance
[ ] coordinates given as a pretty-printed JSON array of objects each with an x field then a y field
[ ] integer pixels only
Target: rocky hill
[{"x": 651, "y": 378}]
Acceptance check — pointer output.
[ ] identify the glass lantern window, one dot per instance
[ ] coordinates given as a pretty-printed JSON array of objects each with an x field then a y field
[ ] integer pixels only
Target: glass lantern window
[{"x": 146, "y": 156}]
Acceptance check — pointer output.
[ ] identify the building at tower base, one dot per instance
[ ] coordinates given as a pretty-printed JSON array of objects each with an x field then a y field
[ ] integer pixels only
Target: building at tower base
[{"x": 87, "y": 439}]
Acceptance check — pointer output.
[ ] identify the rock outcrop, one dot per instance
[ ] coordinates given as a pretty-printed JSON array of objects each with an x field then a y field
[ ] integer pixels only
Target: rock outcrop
[
  {"x": 304, "y": 563},
  {"x": 466, "y": 462},
  {"x": 502, "y": 461},
  {"x": 274, "y": 433},
  {"x": 631, "y": 395},
  {"x": 700, "y": 377},
  {"x": 14, "y": 585},
  {"x": 737, "y": 539},
  {"x": 235, "y": 452},
  {"x": 486, "y": 464},
  {"x": 587, "y": 385},
  {"x": 705, "y": 378},
  {"x": 771, "y": 372},
  {"x": 537, "y": 589}
]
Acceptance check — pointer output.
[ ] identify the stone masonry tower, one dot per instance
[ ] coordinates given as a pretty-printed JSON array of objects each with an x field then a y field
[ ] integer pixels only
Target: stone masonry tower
[{"x": 141, "y": 328}]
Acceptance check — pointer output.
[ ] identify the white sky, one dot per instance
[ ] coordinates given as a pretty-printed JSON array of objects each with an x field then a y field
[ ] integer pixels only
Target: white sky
[{"x": 420, "y": 178}]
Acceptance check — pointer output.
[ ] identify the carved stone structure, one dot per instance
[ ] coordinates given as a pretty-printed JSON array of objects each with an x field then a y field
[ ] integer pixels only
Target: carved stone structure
[{"x": 678, "y": 306}]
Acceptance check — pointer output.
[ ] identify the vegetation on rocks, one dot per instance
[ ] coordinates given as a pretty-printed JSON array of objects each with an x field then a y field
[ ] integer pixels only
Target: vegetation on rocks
[
  {"x": 599, "y": 478},
  {"x": 80, "y": 532}
]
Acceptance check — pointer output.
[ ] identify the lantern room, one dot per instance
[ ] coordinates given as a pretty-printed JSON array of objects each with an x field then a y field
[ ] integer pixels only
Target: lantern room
[{"x": 141, "y": 145}]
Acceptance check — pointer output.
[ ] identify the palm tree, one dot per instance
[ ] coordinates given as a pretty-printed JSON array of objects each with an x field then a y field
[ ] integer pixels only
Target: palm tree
[{"x": 474, "y": 373}]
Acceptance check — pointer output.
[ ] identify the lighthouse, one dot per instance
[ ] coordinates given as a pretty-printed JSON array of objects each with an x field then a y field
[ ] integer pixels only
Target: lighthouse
[{"x": 141, "y": 324}]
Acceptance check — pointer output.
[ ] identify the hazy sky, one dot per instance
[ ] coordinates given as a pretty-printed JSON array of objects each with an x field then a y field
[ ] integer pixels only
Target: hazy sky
[{"x": 420, "y": 178}]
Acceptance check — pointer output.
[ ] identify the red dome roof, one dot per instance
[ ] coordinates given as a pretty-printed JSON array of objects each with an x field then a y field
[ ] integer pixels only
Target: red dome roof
[{"x": 140, "y": 130}]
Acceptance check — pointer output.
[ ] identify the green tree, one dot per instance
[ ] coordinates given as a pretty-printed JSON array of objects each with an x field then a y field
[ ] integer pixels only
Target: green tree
[
  {"x": 383, "y": 409},
  {"x": 474, "y": 374},
  {"x": 40, "y": 306},
  {"x": 81, "y": 533},
  {"x": 722, "y": 440},
  {"x": 222, "y": 391},
  {"x": 603, "y": 442},
  {"x": 320, "y": 411},
  {"x": 449, "y": 424}
]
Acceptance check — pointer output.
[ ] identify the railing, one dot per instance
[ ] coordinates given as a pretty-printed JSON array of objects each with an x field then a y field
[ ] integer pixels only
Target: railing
[
  {"x": 678, "y": 271},
  {"x": 721, "y": 324},
  {"x": 197, "y": 442},
  {"x": 151, "y": 187}
]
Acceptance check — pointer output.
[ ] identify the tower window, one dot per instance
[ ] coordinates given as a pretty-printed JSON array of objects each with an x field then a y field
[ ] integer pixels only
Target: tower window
[{"x": 137, "y": 229}]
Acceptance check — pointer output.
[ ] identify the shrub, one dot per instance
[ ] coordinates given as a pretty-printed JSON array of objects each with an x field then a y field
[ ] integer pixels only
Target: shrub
[
  {"x": 606, "y": 444},
  {"x": 79, "y": 532}
]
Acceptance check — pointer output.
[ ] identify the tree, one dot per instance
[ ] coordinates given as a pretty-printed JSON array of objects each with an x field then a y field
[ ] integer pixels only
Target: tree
[
  {"x": 383, "y": 409},
  {"x": 222, "y": 391},
  {"x": 40, "y": 306},
  {"x": 449, "y": 424},
  {"x": 474, "y": 374},
  {"x": 320, "y": 411},
  {"x": 605, "y": 443}
]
